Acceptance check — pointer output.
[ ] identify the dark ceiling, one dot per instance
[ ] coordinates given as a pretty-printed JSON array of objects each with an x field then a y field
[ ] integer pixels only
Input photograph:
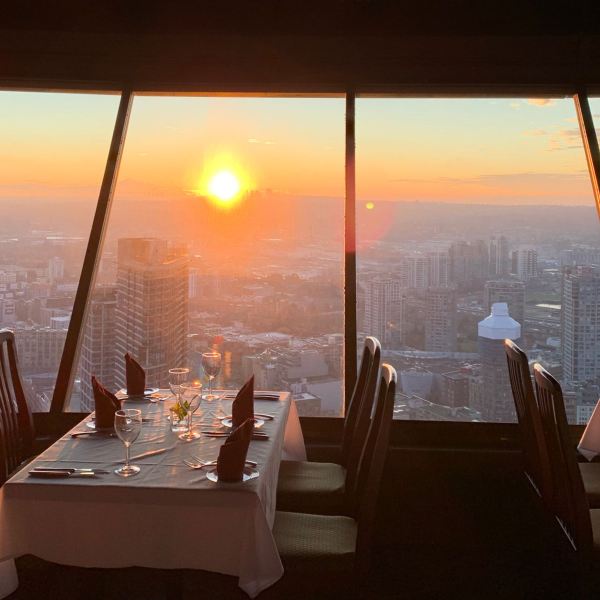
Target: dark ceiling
[{"x": 303, "y": 46}]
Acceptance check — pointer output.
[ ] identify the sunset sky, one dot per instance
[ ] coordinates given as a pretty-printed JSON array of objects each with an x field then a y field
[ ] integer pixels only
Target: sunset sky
[{"x": 486, "y": 150}]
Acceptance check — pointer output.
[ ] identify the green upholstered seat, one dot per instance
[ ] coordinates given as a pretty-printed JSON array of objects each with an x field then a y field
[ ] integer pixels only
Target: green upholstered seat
[
  {"x": 328, "y": 488},
  {"x": 311, "y": 487},
  {"x": 324, "y": 543}
]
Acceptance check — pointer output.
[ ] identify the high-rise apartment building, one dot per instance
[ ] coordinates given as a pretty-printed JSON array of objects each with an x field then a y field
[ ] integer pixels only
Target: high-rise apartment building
[
  {"x": 506, "y": 290},
  {"x": 499, "y": 264},
  {"x": 580, "y": 335},
  {"x": 440, "y": 319},
  {"x": 384, "y": 311},
  {"x": 524, "y": 263},
  {"x": 98, "y": 355},
  {"x": 496, "y": 401},
  {"x": 439, "y": 268},
  {"x": 469, "y": 264},
  {"x": 151, "y": 315}
]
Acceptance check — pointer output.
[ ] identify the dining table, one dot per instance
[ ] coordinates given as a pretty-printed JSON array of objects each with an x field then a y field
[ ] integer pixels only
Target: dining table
[{"x": 169, "y": 516}]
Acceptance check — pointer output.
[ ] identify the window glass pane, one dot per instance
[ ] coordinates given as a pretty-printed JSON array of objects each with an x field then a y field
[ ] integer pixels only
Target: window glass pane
[
  {"x": 226, "y": 231},
  {"x": 53, "y": 149},
  {"x": 468, "y": 209}
]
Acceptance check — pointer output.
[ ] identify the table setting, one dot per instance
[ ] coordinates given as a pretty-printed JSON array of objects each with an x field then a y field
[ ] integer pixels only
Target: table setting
[{"x": 139, "y": 467}]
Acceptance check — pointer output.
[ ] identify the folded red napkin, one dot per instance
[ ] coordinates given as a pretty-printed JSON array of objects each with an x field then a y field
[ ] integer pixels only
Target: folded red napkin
[
  {"x": 243, "y": 405},
  {"x": 232, "y": 454},
  {"x": 135, "y": 376},
  {"x": 106, "y": 405}
]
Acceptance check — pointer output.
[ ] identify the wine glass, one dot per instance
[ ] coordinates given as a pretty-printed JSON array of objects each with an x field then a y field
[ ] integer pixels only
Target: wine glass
[
  {"x": 128, "y": 425},
  {"x": 177, "y": 377},
  {"x": 211, "y": 363},
  {"x": 191, "y": 393}
]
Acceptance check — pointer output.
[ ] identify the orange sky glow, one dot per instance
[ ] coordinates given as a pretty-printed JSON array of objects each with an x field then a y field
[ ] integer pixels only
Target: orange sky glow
[{"x": 498, "y": 151}]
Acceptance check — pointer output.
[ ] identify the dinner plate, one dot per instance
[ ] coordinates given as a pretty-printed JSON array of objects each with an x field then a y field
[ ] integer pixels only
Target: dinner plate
[
  {"x": 228, "y": 422},
  {"x": 147, "y": 395},
  {"x": 92, "y": 425},
  {"x": 249, "y": 473}
]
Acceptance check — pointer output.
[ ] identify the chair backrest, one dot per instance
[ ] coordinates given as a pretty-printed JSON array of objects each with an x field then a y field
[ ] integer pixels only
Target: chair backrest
[
  {"x": 16, "y": 425},
  {"x": 530, "y": 424},
  {"x": 362, "y": 406},
  {"x": 372, "y": 465},
  {"x": 371, "y": 355},
  {"x": 570, "y": 505}
]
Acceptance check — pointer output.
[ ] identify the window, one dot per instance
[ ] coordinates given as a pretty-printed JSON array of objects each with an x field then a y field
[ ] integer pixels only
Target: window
[
  {"x": 226, "y": 231},
  {"x": 53, "y": 149},
  {"x": 476, "y": 222}
]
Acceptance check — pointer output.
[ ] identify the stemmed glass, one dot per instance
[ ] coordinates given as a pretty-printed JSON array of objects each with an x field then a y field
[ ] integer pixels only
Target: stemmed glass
[
  {"x": 191, "y": 393},
  {"x": 128, "y": 425},
  {"x": 177, "y": 377},
  {"x": 211, "y": 363}
]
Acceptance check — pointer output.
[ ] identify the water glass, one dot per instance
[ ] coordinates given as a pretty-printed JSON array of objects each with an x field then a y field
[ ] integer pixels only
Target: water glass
[
  {"x": 190, "y": 395},
  {"x": 128, "y": 425},
  {"x": 211, "y": 363}
]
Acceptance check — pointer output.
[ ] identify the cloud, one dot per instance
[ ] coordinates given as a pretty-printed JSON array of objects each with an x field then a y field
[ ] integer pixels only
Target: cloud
[
  {"x": 535, "y": 132},
  {"x": 540, "y": 101},
  {"x": 264, "y": 142},
  {"x": 504, "y": 179}
]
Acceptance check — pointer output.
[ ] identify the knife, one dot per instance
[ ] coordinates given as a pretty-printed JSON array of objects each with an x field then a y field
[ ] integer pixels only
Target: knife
[
  {"x": 255, "y": 436},
  {"x": 62, "y": 474},
  {"x": 71, "y": 470},
  {"x": 93, "y": 432}
]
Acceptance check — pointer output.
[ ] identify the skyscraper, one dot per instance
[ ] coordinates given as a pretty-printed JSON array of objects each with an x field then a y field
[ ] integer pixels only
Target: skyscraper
[
  {"x": 496, "y": 400},
  {"x": 98, "y": 346},
  {"x": 506, "y": 290},
  {"x": 581, "y": 324},
  {"x": 440, "y": 320},
  {"x": 524, "y": 263},
  {"x": 498, "y": 255},
  {"x": 384, "y": 311},
  {"x": 151, "y": 316},
  {"x": 469, "y": 264}
]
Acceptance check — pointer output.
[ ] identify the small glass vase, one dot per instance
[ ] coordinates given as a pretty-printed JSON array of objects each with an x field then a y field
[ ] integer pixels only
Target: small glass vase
[{"x": 178, "y": 418}]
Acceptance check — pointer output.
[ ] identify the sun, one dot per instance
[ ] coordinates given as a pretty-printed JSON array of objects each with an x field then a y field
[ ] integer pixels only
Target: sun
[{"x": 224, "y": 186}]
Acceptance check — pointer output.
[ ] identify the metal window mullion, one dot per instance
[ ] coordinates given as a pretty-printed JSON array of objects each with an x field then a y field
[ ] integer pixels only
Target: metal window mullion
[
  {"x": 66, "y": 370},
  {"x": 350, "y": 353},
  {"x": 590, "y": 141}
]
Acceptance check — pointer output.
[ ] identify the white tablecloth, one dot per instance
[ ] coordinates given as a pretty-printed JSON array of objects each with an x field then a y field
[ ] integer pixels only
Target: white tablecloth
[
  {"x": 168, "y": 516},
  {"x": 589, "y": 445}
]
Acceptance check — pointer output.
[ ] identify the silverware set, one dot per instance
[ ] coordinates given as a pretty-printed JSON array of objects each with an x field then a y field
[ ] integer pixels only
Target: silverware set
[
  {"x": 257, "y": 396},
  {"x": 58, "y": 473}
]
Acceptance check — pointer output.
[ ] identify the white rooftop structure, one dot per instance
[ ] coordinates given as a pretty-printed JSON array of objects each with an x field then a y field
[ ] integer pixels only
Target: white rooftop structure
[{"x": 499, "y": 324}]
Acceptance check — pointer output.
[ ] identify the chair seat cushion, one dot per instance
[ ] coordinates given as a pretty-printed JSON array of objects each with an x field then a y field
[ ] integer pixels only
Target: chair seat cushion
[
  {"x": 311, "y": 487},
  {"x": 315, "y": 543},
  {"x": 590, "y": 473}
]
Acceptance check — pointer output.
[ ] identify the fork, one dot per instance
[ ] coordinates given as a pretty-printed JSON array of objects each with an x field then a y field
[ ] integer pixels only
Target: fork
[
  {"x": 250, "y": 463},
  {"x": 202, "y": 464}
]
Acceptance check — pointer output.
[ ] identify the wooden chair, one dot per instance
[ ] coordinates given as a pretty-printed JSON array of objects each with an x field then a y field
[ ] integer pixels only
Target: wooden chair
[
  {"x": 327, "y": 488},
  {"x": 16, "y": 425},
  {"x": 569, "y": 501},
  {"x": 530, "y": 425},
  {"x": 342, "y": 545},
  {"x": 534, "y": 448}
]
